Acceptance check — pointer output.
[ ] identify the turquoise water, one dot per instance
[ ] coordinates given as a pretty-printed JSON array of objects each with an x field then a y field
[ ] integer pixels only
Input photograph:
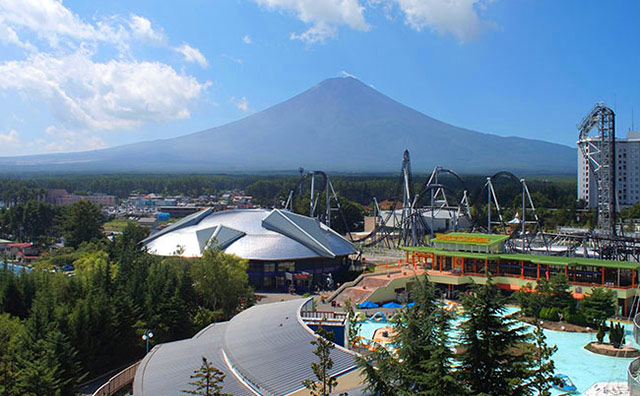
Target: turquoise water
[{"x": 583, "y": 367}]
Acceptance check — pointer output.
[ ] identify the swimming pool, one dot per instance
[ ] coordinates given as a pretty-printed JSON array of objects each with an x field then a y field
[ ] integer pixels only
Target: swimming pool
[
  {"x": 15, "y": 268},
  {"x": 583, "y": 367}
]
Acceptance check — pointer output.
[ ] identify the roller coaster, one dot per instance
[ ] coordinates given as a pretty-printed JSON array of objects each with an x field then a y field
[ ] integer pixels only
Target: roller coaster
[{"x": 410, "y": 218}]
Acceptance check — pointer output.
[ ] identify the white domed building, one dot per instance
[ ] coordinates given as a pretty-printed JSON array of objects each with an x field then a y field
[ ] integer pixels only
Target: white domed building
[{"x": 283, "y": 248}]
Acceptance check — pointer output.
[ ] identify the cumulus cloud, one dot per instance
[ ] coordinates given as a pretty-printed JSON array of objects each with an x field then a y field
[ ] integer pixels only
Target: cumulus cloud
[
  {"x": 117, "y": 94},
  {"x": 324, "y": 16},
  {"x": 192, "y": 55},
  {"x": 85, "y": 95},
  {"x": 48, "y": 18},
  {"x": 143, "y": 31},
  {"x": 9, "y": 137},
  {"x": 459, "y": 18},
  {"x": 247, "y": 39},
  {"x": 10, "y": 36}
]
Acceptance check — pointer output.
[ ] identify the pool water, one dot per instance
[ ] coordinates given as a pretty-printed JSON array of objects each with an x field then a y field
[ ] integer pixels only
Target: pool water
[
  {"x": 15, "y": 268},
  {"x": 583, "y": 367}
]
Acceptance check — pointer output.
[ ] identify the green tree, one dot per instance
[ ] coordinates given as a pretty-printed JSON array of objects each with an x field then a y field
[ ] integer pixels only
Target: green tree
[
  {"x": 354, "y": 323},
  {"x": 423, "y": 365},
  {"x": 324, "y": 382},
  {"x": 81, "y": 222},
  {"x": 11, "y": 331},
  {"x": 495, "y": 360},
  {"x": 207, "y": 380},
  {"x": 221, "y": 282},
  {"x": 599, "y": 305},
  {"x": 379, "y": 370},
  {"x": 541, "y": 364},
  {"x": 440, "y": 377}
]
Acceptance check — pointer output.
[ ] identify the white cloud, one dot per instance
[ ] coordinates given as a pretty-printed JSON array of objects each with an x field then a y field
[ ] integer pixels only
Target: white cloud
[
  {"x": 192, "y": 55},
  {"x": 247, "y": 39},
  {"x": 9, "y": 138},
  {"x": 460, "y": 18},
  {"x": 9, "y": 36},
  {"x": 85, "y": 95},
  {"x": 51, "y": 21},
  {"x": 323, "y": 16},
  {"x": 241, "y": 103},
  {"x": 457, "y": 17},
  {"x": 103, "y": 96},
  {"x": 143, "y": 31},
  {"x": 61, "y": 139}
]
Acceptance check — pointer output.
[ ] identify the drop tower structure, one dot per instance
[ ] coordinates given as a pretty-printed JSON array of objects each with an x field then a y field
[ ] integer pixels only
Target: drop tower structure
[{"x": 599, "y": 155}]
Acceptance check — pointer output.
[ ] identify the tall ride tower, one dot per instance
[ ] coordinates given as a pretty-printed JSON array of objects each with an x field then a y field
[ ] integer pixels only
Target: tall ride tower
[{"x": 599, "y": 156}]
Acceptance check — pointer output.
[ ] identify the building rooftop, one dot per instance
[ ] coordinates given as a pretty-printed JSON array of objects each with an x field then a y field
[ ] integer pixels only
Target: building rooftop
[
  {"x": 465, "y": 238},
  {"x": 532, "y": 258},
  {"x": 265, "y": 350},
  {"x": 254, "y": 234}
]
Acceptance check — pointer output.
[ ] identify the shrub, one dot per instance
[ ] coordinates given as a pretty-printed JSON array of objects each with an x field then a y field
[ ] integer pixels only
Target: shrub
[
  {"x": 616, "y": 335},
  {"x": 544, "y": 313},
  {"x": 554, "y": 314},
  {"x": 602, "y": 331},
  {"x": 576, "y": 318}
]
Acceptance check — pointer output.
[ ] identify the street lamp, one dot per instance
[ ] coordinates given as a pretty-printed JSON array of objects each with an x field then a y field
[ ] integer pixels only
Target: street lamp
[{"x": 146, "y": 337}]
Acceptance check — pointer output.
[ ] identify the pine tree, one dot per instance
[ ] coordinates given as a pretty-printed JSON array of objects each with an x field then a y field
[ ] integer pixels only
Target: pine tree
[
  {"x": 325, "y": 382},
  {"x": 380, "y": 372},
  {"x": 440, "y": 377},
  {"x": 541, "y": 363},
  {"x": 497, "y": 359},
  {"x": 207, "y": 380},
  {"x": 423, "y": 363}
]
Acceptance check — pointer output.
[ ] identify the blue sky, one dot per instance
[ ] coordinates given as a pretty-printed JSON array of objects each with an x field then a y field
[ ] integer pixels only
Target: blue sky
[{"x": 82, "y": 75}]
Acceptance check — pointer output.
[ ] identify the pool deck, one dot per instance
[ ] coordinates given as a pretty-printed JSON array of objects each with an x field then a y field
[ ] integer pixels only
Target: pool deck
[{"x": 607, "y": 389}]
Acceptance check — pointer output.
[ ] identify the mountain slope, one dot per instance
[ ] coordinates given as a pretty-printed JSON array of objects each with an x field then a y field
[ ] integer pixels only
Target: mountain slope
[{"x": 340, "y": 124}]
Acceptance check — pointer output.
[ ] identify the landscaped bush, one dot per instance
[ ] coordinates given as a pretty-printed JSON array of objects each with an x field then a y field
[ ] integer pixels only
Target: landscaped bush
[
  {"x": 552, "y": 301},
  {"x": 602, "y": 331},
  {"x": 552, "y": 314},
  {"x": 616, "y": 335},
  {"x": 576, "y": 318}
]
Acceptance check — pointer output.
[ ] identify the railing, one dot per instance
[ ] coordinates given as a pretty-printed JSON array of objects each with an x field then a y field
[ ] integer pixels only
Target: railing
[
  {"x": 118, "y": 381},
  {"x": 636, "y": 328},
  {"x": 632, "y": 376},
  {"x": 328, "y": 315}
]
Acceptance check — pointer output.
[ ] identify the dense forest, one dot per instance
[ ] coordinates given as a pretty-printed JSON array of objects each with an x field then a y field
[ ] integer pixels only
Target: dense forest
[
  {"x": 555, "y": 199},
  {"x": 56, "y": 329}
]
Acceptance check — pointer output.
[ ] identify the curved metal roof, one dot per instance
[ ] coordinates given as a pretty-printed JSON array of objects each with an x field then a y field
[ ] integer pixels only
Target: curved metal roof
[
  {"x": 254, "y": 234},
  {"x": 265, "y": 350}
]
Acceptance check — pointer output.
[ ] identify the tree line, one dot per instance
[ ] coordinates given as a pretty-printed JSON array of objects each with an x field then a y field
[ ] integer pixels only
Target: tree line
[{"x": 58, "y": 329}]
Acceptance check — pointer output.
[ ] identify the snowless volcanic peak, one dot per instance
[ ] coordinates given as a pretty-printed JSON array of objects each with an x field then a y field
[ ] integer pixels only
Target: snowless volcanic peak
[{"x": 340, "y": 124}]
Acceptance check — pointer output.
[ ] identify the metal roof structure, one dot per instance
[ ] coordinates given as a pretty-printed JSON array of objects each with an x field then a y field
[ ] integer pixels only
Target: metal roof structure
[
  {"x": 265, "y": 350},
  {"x": 253, "y": 234}
]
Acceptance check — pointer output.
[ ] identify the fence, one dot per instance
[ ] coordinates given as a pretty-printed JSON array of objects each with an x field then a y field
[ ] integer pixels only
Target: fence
[
  {"x": 118, "y": 381},
  {"x": 328, "y": 315}
]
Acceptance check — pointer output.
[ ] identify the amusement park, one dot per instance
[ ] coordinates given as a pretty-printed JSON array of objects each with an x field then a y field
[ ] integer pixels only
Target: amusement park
[{"x": 429, "y": 232}]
